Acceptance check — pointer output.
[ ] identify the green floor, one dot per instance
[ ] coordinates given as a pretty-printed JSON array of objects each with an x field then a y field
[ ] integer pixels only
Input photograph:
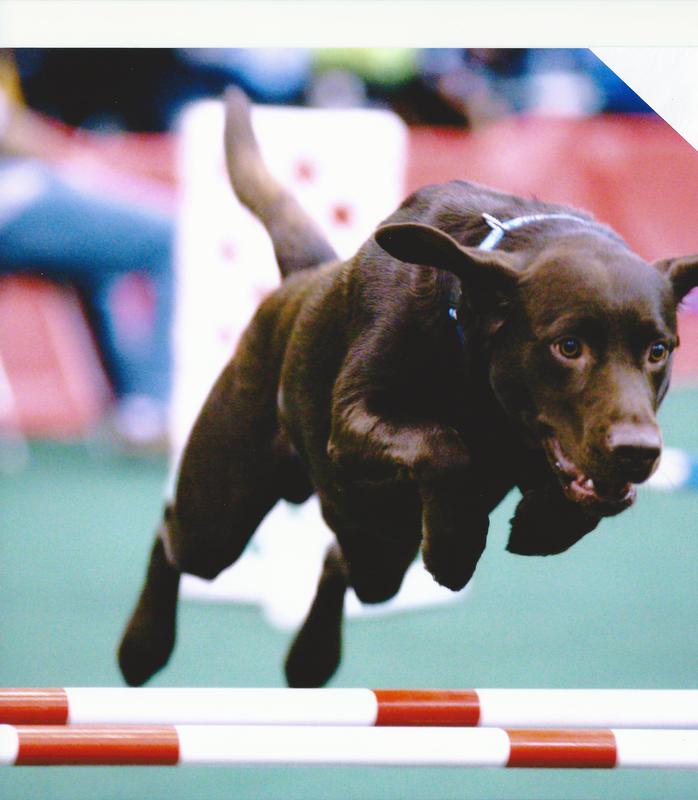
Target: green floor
[{"x": 618, "y": 610}]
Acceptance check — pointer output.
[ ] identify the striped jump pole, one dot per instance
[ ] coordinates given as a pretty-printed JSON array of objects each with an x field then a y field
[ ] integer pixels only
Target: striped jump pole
[
  {"x": 502, "y": 708},
  {"x": 198, "y": 745}
]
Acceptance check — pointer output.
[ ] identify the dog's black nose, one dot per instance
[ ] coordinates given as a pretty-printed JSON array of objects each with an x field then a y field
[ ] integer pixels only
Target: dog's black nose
[{"x": 634, "y": 450}]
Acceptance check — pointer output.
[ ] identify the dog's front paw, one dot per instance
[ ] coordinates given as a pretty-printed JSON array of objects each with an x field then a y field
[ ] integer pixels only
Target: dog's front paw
[
  {"x": 545, "y": 523},
  {"x": 453, "y": 574},
  {"x": 451, "y": 548}
]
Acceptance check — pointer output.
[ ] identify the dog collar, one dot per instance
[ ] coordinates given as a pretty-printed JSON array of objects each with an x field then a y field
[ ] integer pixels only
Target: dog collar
[
  {"x": 492, "y": 239},
  {"x": 499, "y": 228}
]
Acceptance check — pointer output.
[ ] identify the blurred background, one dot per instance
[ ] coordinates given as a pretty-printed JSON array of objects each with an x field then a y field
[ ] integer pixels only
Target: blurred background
[{"x": 127, "y": 272}]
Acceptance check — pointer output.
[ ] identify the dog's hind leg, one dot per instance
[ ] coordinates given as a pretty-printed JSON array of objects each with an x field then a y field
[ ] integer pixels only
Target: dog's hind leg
[
  {"x": 317, "y": 648},
  {"x": 215, "y": 535},
  {"x": 377, "y": 542},
  {"x": 211, "y": 542},
  {"x": 237, "y": 464},
  {"x": 149, "y": 637},
  {"x": 298, "y": 242}
]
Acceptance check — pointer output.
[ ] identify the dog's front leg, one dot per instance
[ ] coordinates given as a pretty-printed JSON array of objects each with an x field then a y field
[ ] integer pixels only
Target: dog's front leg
[
  {"x": 366, "y": 447},
  {"x": 454, "y": 529}
]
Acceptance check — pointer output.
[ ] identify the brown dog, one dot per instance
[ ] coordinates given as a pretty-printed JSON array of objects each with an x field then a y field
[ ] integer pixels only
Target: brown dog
[{"x": 478, "y": 342}]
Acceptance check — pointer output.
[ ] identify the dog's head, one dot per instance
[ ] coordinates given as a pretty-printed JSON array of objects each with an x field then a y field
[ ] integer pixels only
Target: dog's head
[{"x": 580, "y": 335}]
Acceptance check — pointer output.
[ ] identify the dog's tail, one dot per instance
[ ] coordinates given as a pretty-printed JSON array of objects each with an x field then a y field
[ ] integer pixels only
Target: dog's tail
[{"x": 298, "y": 242}]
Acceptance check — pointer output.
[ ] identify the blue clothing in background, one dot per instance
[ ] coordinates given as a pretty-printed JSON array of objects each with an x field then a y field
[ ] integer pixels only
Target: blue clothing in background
[{"x": 66, "y": 234}]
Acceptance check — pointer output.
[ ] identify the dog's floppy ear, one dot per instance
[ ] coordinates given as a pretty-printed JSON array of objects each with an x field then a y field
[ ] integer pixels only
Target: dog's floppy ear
[
  {"x": 427, "y": 246},
  {"x": 682, "y": 272}
]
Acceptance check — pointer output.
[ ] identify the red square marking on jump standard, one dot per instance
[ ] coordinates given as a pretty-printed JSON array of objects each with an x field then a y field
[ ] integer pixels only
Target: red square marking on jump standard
[
  {"x": 228, "y": 251},
  {"x": 341, "y": 214},
  {"x": 226, "y": 336},
  {"x": 305, "y": 171}
]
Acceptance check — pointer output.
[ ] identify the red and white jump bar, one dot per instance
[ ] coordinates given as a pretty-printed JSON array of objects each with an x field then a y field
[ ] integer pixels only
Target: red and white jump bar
[
  {"x": 345, "y": 746},
  {"x": 503, "y": 708}
]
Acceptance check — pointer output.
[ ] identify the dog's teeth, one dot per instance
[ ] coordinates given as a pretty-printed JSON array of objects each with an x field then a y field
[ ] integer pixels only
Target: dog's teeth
[{"x": 589, "y": 484}]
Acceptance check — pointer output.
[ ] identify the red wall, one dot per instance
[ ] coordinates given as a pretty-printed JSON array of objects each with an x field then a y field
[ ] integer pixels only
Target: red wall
[{"x": 634, "y": 173}]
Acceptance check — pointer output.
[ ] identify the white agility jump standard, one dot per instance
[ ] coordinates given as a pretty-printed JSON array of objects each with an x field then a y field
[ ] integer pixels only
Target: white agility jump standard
[
  {"x": 504, "y": 708},
  {"x": 345, "y": 746}
]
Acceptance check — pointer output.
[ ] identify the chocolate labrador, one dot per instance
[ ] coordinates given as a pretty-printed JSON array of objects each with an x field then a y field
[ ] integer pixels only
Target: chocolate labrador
[{"x": 476, "y": 343}]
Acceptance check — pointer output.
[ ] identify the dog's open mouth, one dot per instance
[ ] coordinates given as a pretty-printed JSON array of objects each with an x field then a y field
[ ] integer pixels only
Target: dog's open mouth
[{"x": 598, "y": 497}]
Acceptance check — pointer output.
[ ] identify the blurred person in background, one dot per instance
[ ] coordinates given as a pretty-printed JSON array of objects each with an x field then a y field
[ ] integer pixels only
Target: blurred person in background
[
  {"x": 145, "y": 89},
  {"x": 51, "y": 226},
  {"x": 468, "y": 87}
]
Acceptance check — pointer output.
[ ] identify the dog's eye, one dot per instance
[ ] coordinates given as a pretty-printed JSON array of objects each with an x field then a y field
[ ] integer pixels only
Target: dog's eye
[
  {"x": 658, "y": 352},
  {"x": 569, "y": 347}
]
